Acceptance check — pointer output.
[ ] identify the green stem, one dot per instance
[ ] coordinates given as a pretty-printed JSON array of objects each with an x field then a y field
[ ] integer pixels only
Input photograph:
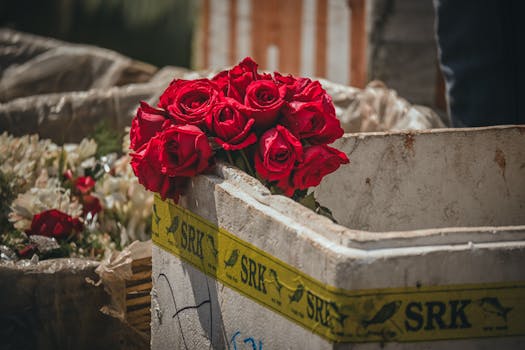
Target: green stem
[
  {"x": 230, "y": 159},
  {"x": 247, "y": 162}
]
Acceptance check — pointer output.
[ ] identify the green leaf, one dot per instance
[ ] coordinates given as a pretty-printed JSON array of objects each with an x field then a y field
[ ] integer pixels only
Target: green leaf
[
  {"x": 309, "y": 201},
  {"x": 324, "y": 211}
]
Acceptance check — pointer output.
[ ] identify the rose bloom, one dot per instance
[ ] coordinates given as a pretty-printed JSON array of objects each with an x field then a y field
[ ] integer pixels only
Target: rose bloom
[
  {"x": 90, "y": 205},
  {"x": 147, "y": 122},
  {"x": 299, "y": 89},
  {"x": 232, "y": 128},
  {"x": 233, "y": 82},
  {"x": 84, "y": 184},
  {"x": 185, "y": 151},
  {"x": 262, "y": 102},
  {"x": 318, "y": 161},
  {"x": 54, "y": 223},
  {"x": 277, "y": 153},
  {"x": 146, "y": 166},
  {"x": 189, "y": 101},
  {"x": 314, "y": 121}
]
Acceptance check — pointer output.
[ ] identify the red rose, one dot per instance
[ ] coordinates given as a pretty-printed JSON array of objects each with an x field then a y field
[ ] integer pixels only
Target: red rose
[
  {"x": 54, "y": 223},
  {"x": 318, "y": 162},
  {"x": 262, "y": 103},
  {"x": 147, "y": 122},
  {"x": 232, "y": 128},
  {"x": 84, "y": 184},
  {"x": 189, "y": 101},
  {"x": 277, "y": 153},
  {"x": 314, "y": 121},
  {"x": 233, "y": 82},
  {"x": 300, "y": 89},
  {"x": 146, "y": 166},
  {"x": 90, "y": 204},
  {"x": 290, "y": 85},
  {"x": 185, "y": 151}
]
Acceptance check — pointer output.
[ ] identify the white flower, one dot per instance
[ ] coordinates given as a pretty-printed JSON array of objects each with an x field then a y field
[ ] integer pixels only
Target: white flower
[
  {"x": 75, "y": 154},
  {"x": 47, "y": 195},
  {"x": 22, "y": 159},
  {"x": 127, "y": 199}
]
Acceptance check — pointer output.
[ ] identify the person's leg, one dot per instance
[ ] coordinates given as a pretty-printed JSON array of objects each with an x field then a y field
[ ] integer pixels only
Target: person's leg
[{"x": 480, "y": 46}]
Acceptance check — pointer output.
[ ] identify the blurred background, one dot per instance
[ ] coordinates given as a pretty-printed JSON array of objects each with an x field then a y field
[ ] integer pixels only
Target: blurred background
[{"x": 351, "y": 42}]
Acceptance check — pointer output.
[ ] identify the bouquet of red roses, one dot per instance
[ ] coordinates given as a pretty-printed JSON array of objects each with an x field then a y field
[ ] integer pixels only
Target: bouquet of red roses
[{"x": 274, "y": 127}]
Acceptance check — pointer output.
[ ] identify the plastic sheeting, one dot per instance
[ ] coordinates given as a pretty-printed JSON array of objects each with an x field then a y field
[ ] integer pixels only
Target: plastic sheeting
[
  {"x": 114, "y": 272},
  {"x": 378, "y": 108},
  {"x": 49, "y": 305},
  {"x": 33, "y": 65}
]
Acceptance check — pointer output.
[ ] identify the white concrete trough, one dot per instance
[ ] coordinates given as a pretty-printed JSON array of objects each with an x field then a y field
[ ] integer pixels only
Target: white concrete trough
[{"x": 429, "y": 252}]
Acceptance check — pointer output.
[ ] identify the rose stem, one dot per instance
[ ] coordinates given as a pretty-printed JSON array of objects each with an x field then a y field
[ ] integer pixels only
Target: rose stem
[
  {"x": 247, "y": 162},
  {"x": 228, "y": 154}
]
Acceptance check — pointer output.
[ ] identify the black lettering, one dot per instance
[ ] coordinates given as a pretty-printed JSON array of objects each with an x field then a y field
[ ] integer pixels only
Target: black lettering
[
  {"x": 244, "y": 269},
  {"x": 200, "y": 235},
  {"x": 262, "y": 269},
  {"x": 191, "y": 239},
  {"x": 253, "y": 269},
  {"x": 184, "y": 231},
  {"x": 413, "y": 312},
  {"x": 318, "y": 310},
  {"x": 310, "y": 307},
  {"x": 435, "y": 311},
  {"x": 457, "y": 310}
]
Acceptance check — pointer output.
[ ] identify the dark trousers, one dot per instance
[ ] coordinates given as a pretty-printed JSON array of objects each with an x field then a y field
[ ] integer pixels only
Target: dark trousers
[{"x": 481, "y": 51}]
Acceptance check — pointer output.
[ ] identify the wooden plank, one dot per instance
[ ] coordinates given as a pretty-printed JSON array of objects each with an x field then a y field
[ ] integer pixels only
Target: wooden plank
[
  {"x": 138, "y": 313},
  {"x": 140, "y": 287},
  {"x": 358, "y": 38},
  {"x": 139, "y": 301},
  {"x": 320, "y": 38},
  {"x": 140, "y": 322},
  {"x": 206, "y": 32},
  {"x": 260, "y": 31},
  {"x": 144, "y": 275},
  {"x": 233, "y": 32},
  {"x": 289, "y": 36}
]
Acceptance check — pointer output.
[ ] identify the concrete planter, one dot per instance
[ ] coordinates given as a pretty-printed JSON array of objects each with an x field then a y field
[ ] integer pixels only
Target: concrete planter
[{"x": 429, "y": 251}]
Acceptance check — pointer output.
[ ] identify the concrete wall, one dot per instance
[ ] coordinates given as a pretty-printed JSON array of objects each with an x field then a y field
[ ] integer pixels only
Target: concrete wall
[
  {"x": 402, "y": 49},
  {"x": 430, "y": 179}
]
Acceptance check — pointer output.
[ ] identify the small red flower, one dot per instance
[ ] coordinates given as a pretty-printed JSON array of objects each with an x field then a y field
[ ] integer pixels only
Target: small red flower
[
  {"x": 54, "y": 223},
  {"x": 90, "y": 205},
  {"x": 85, "y": 184}
]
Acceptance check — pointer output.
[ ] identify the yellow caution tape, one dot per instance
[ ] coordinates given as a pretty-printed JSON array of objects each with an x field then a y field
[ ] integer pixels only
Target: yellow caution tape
[{"x": 393, "y": 314}]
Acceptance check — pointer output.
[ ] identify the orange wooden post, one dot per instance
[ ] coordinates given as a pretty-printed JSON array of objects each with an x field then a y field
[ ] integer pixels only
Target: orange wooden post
[
  {"x": 302, "y": 37},
  {"x": 358, "y": 66}
]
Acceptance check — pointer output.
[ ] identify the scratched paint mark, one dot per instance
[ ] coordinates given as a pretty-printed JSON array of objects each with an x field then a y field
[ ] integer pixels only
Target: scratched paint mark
[
  {"x": 178, "y": 311},
  {"x": 499, "y": 158},
  {"x": 409, "y": 143}
]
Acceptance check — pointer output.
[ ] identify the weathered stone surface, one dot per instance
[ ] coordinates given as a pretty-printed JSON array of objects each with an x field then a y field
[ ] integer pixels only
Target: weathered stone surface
[{"x": 402, "y": 48}]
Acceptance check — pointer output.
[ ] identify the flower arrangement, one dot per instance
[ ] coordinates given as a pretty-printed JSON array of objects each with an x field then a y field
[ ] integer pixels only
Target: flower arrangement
[
  {"x": 276, "y": 128},
  {"x": 65, "y": 201}
]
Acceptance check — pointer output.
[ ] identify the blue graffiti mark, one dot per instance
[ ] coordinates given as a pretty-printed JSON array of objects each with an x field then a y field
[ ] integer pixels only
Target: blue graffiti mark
[{"x": 247, "y": 340}]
